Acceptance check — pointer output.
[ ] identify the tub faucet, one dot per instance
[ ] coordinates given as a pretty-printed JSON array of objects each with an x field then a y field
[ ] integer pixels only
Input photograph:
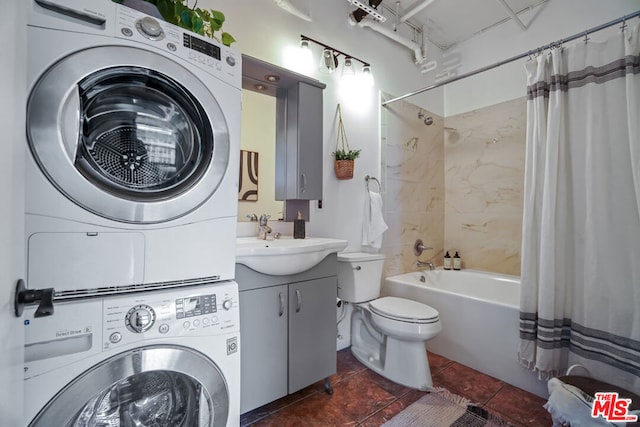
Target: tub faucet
[
  {"x": 263, "y": 228},
  {"x": 426, "y": 264}
]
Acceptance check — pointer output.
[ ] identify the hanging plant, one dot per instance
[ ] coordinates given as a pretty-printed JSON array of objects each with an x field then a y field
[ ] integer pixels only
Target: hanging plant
[
  {"x": 344, "y": 156},
  {"x": 200, "y": 21}
]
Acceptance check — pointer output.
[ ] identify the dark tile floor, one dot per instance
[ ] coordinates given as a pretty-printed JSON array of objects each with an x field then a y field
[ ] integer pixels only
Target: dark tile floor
[{"x": 363, "y": 398}]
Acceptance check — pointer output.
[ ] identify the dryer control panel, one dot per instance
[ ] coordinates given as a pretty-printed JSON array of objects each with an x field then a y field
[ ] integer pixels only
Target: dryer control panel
[{"x": 189, "y": 311}]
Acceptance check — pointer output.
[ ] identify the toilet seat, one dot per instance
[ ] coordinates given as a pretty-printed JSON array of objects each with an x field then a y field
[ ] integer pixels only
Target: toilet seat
[{"x": 404, "y": 310}]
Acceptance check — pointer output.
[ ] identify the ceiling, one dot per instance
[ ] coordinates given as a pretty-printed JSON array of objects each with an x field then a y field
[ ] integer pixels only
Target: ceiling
[{"x": 448, "y": 22}]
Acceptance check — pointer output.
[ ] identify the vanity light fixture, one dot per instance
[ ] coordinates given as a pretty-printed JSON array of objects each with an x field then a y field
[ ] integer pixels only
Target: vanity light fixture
[
  {"x": 329, "y": 61},
  {"x": 367, "y": 77}
]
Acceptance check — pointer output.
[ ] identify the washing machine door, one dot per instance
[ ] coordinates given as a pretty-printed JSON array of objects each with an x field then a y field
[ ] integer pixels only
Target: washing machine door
[
  {"x": 128, "y": 134},
  {"x": 147, "y": 387}
]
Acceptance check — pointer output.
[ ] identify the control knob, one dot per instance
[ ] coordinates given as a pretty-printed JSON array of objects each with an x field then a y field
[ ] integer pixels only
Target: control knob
[
  {"x": 150, "y": 28},
  {"x": 140, "y": 318},
  {"x": 227, "y": 304}
]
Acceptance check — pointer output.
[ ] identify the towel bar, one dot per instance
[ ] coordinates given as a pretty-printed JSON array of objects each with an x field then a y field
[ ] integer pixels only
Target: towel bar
[{"x": 373, "y": 178}]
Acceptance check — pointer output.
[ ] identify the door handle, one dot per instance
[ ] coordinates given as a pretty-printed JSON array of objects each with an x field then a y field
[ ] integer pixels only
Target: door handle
[
  {"x": 281, "y": 301},
  {"x": 298, "y": 301},
  {"x": 42, "y": 297},
  {"x": 303, "y": 183},
  {"x": 70, "y": 124}
]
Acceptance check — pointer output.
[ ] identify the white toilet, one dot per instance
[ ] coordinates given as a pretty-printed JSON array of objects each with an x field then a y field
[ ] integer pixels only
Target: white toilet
[{"x": 387, "y": 334}]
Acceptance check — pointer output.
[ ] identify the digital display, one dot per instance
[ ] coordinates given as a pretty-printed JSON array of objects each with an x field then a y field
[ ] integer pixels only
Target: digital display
[
  {"x": 195, "y": 306},
  {"x": 201, "y": 46}
]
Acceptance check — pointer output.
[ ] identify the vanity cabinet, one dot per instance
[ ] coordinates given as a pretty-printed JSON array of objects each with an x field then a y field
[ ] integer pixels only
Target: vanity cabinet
[
  {"x": 299, "y": 142},
  {"x": 287, "y": 331}
]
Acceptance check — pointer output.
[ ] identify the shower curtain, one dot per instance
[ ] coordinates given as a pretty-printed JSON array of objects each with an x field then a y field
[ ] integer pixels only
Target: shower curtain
[{"x": 580, "y": 301}]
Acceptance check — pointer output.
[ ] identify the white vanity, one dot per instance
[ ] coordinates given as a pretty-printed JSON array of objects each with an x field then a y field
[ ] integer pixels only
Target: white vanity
[{"x": 287, "y": 315}]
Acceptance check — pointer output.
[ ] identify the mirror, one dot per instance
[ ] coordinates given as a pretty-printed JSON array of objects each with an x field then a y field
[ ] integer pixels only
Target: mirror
[{"x": 258, "y": 143}]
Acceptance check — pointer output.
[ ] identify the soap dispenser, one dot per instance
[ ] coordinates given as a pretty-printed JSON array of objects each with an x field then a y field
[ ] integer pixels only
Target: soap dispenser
[
  {"x": 298, "y": 227},
  {"x": 447, "y": 261},
  {"x": 457, "y": 261}
]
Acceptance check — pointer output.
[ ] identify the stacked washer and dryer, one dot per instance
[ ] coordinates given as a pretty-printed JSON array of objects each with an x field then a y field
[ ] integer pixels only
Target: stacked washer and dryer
[{"x": 133, "y": 129}]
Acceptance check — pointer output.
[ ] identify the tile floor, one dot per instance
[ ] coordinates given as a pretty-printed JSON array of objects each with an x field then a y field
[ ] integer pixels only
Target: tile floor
[{"x": 364, "y": 398}]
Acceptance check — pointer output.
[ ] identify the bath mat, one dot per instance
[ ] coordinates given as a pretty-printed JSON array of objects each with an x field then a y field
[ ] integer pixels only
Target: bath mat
[{"x": 441, "y": 408}]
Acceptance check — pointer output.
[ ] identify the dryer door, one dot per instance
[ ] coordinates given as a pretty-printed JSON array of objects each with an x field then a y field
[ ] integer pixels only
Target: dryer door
[
  {"x": 147, "y": 387},
  {"x": 128, "y": 134}
]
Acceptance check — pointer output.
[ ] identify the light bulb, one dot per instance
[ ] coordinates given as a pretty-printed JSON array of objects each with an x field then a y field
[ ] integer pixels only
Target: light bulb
[
  {"x": 348, "y": 73},
  {"x": 367, "y": 76}
]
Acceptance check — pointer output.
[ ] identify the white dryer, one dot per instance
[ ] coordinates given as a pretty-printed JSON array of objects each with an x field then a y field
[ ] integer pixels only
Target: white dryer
[
  {"x": 133, "y": 129},
  {"x": 164, "y": 358}
]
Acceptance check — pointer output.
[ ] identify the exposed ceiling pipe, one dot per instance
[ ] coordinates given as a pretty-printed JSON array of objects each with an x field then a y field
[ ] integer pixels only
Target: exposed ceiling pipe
[
  {"x": 289, "y": 7},
  {"x": 417, "y": 49},
  {"x": 415, "y": 10},
  {"x": 512, "y": 14}
]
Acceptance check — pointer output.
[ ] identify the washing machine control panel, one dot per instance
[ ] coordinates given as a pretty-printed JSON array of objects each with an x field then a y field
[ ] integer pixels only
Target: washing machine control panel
[
  {"x": 207, "y": 54},
  {"x": 189, "y": 311}
]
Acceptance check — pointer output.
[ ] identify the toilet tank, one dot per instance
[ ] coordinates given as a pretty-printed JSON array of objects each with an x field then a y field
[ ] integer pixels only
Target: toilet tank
[{"x": 359, "y": 276}]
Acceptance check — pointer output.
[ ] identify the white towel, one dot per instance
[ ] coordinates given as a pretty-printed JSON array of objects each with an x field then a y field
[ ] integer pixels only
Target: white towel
[{"x": 373, "y": 224}]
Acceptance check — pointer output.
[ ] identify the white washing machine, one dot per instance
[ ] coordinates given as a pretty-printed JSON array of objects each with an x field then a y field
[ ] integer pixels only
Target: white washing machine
[
  {"x": 133, "y": 133},
  {"x": 164, "y": 358}
]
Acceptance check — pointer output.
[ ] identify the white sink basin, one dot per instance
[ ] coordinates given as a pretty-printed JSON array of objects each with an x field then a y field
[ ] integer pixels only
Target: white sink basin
[{"x": 286, "y": 255}]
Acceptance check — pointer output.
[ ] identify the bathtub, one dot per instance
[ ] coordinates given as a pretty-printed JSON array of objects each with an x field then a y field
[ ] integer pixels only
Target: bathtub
[{"x": 480, "y": 315}]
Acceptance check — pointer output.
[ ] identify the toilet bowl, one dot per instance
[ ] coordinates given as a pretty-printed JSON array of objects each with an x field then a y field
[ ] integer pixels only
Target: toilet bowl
[{"x": 388, "y": 334}]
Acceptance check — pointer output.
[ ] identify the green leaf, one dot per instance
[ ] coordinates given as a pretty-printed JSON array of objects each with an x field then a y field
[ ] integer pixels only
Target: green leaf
[
  {"x": 227, "y": 39},
  {"x": 185, "y": 17},
  {"x": 218, "y": 16},
  {"x": 197, "y": 25},
  {"x": 165, "y": 9},
  {"x": 215, "y": 25}
]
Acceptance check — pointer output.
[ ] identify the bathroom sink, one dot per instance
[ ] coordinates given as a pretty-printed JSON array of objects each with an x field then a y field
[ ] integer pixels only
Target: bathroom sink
[{"x": 286, "y": 255}]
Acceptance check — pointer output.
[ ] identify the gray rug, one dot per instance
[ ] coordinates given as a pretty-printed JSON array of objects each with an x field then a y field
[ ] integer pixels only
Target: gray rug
[{"x": 441, "y": 408}]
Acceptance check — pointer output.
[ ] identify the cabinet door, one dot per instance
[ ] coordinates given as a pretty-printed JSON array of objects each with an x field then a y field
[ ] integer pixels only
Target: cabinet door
[
  {"x": 312, "y": 331},
  {"x": 299, "y": 143},
  {"x": 263, "y": 334}
]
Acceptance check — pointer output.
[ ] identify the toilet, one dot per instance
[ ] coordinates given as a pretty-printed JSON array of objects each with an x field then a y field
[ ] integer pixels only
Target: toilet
[{"x": 388, "y": 334}]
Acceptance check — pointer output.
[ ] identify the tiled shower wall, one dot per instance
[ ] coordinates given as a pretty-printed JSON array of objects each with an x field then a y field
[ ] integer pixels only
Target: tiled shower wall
[
  {"x": 413, "y": 186},
  {"x": 484, "y": 154},
  {"x": 456, "y": 184}
]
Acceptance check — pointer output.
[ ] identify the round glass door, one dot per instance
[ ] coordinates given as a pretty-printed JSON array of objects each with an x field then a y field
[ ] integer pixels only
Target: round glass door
[
  {"x": 146, "y": 387},
  {"x": 142, "y": 135},
  {"x": 128, "y": 134}
]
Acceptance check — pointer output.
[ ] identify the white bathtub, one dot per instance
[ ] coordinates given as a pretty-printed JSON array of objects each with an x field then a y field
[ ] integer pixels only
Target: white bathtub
[{"x": 480, "y": 315}]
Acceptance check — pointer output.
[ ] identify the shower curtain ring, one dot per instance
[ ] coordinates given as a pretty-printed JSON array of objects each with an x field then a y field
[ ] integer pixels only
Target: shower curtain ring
[{"x": 586, "y": 36}]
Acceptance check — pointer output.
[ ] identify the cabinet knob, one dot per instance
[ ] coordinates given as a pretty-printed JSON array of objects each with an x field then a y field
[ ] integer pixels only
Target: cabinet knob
[{"x": 298, "y": 300}]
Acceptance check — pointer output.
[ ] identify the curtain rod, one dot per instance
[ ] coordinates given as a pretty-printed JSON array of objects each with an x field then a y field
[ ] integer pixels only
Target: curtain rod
[{"x": 515, "y": 58}]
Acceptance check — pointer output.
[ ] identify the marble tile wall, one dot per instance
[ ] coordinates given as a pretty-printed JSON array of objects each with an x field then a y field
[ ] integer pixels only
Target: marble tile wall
[
  {"x": 484, "y": 152},
  {"x": 413, "y": 186},
  {"x": 456, "y": 184}
]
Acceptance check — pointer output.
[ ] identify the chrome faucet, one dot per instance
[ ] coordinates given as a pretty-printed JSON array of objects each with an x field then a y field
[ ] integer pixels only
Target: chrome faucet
[
  {"x": 263, "y": 228},
  {"x": 418, "y": 248},
  {"x": 425, "y": 264}
]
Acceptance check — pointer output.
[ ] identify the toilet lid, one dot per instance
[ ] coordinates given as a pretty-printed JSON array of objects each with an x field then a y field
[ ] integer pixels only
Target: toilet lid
[{"x": 404, "y": 309}]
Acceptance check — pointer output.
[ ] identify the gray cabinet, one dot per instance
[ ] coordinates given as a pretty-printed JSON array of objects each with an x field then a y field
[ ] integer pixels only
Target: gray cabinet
[
  {"x": 287, "y": 331},
  {"x": 299, "y": 142}
]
